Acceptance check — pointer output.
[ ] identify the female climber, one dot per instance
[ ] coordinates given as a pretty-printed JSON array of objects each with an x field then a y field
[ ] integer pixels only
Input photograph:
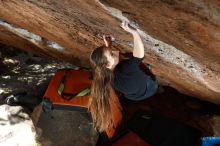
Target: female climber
[{"x": 124, "y": 76}]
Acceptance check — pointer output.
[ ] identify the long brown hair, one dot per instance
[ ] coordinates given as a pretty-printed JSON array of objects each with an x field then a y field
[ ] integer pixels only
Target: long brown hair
[{"x": 100, "y": 99}]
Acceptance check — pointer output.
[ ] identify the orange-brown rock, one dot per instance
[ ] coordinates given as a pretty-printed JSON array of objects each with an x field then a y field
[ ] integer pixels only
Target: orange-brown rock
[{"x": 183, "y": 35}]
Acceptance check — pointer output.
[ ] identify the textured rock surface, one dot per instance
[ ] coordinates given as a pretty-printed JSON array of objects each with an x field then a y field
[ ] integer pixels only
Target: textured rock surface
[
  {"x": 185, "y": 35},
  {"x": 16, "y": 127}
]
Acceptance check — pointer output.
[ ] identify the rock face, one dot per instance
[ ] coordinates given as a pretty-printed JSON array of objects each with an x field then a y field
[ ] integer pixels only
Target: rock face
[
  {"x": 16, "y": 127},
  {"x": 182, "y": 39}
]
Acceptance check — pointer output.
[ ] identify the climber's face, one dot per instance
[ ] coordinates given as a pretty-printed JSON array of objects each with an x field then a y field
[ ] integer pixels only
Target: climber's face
[{"x": 112, "y": 57}]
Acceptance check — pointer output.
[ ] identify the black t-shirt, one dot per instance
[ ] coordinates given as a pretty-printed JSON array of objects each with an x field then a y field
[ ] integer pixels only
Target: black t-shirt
[{"x": 132, "y": 82}]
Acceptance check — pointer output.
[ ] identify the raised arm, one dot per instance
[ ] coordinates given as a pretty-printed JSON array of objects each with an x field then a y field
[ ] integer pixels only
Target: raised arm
[{"x": 138, "y": 50}]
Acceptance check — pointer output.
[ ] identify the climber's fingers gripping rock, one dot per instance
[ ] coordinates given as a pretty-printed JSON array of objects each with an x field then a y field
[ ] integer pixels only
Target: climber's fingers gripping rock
[
  {"x": 127, "y": 27},
  {"x": 107, "y": 40}
]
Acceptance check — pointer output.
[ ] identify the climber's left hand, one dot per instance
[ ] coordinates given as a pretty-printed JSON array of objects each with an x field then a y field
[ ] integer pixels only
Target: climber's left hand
[{"x": 108, "y": 40}]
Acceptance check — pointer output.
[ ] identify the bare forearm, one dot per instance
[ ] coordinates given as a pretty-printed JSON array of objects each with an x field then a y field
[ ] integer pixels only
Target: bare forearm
[{"x": 138, "y": 50}]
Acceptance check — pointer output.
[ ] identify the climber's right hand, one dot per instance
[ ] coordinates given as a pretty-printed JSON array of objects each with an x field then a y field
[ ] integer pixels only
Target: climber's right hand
[{"x": 127, "y": 27}]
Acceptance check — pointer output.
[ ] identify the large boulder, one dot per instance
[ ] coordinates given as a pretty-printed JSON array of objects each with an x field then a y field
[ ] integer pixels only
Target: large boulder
[
  {"x": 16, "y": 128},
  {"x": 181, "y": 37}
]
